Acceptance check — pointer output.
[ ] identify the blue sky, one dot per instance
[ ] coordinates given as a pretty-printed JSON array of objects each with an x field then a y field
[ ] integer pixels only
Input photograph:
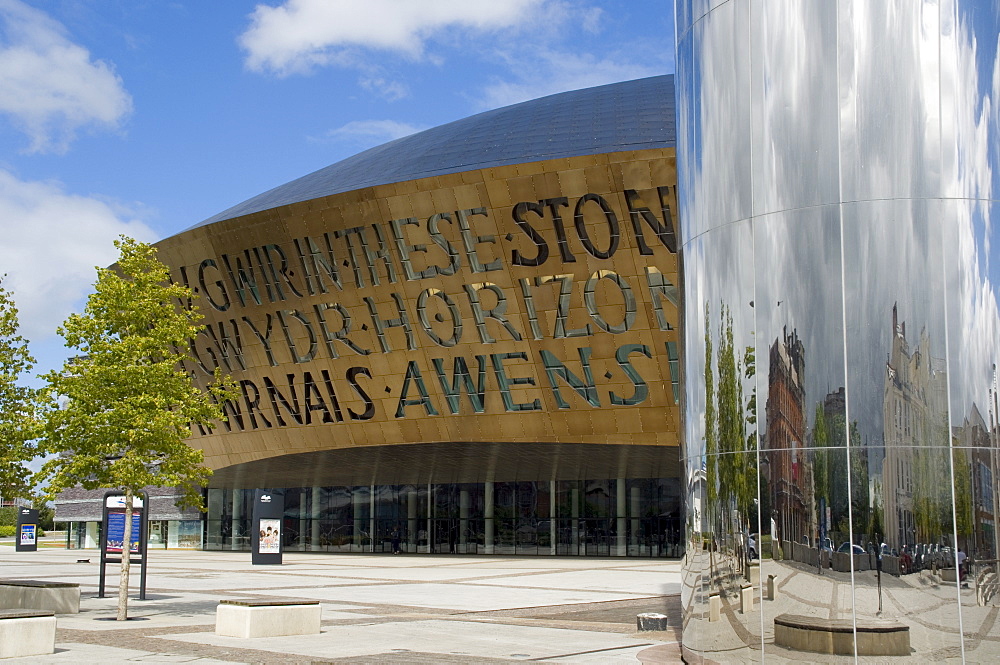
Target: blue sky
[{"x": 146, "y": 117}]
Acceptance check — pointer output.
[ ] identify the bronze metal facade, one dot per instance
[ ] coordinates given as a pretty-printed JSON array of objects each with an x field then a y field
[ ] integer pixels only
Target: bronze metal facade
[
  {"x": 526, "y": 304},
  {"x": 510, "y": 330}
]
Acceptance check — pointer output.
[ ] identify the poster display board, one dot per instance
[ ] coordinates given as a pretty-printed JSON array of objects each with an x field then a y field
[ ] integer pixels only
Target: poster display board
[
  {"x": 27, "y": 530},
  {"x": 113, "y": 536},
  {"x": 265, "y": 536}
]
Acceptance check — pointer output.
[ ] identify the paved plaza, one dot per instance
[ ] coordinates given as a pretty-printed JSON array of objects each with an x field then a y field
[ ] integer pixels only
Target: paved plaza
[
  {"x": 922, "y": 601},
  {"x": 376, "y": 608}
]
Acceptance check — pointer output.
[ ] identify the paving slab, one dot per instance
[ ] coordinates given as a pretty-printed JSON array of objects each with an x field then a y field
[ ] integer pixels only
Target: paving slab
[
  {"x": 459, "y": 597},
  {"x": 632, "y": 581},
  {"x": 471, "y": 639},
  {"x": 94, "y": 654}
]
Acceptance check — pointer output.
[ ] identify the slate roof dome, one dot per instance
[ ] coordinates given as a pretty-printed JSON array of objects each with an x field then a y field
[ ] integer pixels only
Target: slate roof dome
[{"x": 632, "y": 115}]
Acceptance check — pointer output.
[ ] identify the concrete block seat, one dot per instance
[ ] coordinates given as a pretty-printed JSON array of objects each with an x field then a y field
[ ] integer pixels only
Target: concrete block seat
[
  {"x": 58, "y": 597},
  {"x": 651, "y": 621},
  {"x": 27, "y": 633},
  {"x": 267, "y": 618},
  {"x": 876, "y": 637}
]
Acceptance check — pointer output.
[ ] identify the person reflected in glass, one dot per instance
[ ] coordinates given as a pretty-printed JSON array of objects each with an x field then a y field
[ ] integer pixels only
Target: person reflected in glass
[{"x": 395, "y": 540}]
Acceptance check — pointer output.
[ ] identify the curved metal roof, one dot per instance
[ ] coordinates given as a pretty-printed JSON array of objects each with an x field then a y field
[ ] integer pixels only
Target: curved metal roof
[{"x": 632, "y": 115}]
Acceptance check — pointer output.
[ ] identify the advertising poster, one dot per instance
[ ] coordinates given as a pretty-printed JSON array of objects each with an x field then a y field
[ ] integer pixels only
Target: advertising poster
[
  {"x": 189, "y": 534},
  {"x": 28, "y": 534},
  {"x": 270, "y": 536},
  {"x": 116, "y": 531}
]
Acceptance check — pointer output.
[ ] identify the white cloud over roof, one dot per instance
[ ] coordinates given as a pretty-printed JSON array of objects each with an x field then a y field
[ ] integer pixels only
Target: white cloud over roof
[
  {"x": 373, "y": 132},
  {"x": 301, "y": 34}
]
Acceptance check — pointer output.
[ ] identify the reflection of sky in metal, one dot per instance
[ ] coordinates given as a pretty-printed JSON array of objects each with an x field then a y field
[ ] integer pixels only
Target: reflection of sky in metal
[
  {"x": 910, "y": 145},
  {"x": 979, "y": 21},
  {"x": 634, "y": 115}
]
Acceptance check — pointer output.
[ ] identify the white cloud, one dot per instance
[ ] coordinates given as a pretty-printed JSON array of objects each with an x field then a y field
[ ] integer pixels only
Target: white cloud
[
  {"x": 49, "y": 86},
  {"x": 373, "y": 132},
  {"x": 554, "y": 71},
  {"x": 390, "y": 90},
  {"x": 52, "y": 242},
  {"x": 543, "y": 72},
  {"x": 591, "y": 19},
  {"x": 301, "y": 34}
]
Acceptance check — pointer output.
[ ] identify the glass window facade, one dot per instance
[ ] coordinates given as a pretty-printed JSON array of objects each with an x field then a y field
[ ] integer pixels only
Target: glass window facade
[{"x": 618, "y": 517}]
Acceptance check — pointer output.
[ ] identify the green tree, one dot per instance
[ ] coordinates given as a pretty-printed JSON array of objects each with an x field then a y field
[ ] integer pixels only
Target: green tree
[
  {"x": 878, "y": 517},
  {"x": 737, "y": 464},
  {"x": 750, "y": 471},
  {"x": 837, "y": 472},
  {"x": 821, "y": 462},
  {"x": 711, "y": 439},
  {"x": 711, "y": 445},
  {"x": 732, "y": 423},
  {"x": 821, "y": 466},
  {"x": 129, "y": 404},
  {"x": 46, "y": 513},
  {"x": 860, "y": 490},
  {"x": 19, "y": 406},
  {"x": 964, "y": 519}
]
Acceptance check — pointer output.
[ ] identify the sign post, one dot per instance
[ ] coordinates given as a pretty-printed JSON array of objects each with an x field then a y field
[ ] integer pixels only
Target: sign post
[
  {"x": 113, "y": 546},
  {"x": 27, "y": 530},
  {"x": 265, "y": 530}
]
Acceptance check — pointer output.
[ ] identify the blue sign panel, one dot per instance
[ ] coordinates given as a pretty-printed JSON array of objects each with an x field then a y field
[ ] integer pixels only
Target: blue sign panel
[
  {"x": 116, "y": 531},
  {"x": 27, "y": 536},
  {"x": 27, "y": 530}
]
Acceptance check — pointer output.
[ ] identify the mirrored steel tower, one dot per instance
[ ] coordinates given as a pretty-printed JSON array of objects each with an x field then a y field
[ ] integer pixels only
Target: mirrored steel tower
[{"x": 839, "y": 170}]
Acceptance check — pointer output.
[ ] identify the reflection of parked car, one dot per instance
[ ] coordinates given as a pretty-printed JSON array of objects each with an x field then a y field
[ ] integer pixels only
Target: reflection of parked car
[{"x": 846, "y": 547}]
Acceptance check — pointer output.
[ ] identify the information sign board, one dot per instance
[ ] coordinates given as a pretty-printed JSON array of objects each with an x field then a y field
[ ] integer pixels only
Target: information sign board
[
  {"x": 113, "y": 540},
  {"x": 265, "y": 536},
  {"x": 27, "y": 530},
  {"x": 115, "y": 535}
]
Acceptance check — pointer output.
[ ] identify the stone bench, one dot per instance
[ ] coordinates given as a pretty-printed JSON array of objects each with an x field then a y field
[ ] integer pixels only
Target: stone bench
[
  {"x": 58, "y": 597},
  {"x": 267, "y": 618},
  {"x": 651, "y": 621},
  {"x": 27, "y": 633},
  {"x": 836, "y": 636}
]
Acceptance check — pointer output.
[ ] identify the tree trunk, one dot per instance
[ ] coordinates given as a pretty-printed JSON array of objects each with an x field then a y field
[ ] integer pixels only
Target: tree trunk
[{"x": 126, "y": 559}]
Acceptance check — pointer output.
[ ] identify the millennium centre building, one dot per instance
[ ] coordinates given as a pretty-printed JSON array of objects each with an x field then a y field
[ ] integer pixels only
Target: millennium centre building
[
  {"x": 745, "y": 316},
  {"x": 465, "y": 340}
]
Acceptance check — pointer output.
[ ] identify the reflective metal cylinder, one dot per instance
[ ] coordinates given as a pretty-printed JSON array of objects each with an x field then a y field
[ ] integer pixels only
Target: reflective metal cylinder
[{"x": 839, "y": 167}]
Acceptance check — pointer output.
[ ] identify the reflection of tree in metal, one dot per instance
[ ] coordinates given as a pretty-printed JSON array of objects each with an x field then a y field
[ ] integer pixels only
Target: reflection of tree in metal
[{"x": 731, "y": 475}]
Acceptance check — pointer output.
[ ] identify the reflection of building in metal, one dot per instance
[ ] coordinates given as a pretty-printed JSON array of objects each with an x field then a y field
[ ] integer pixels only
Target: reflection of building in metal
[
  {"x": 990, "y": 487},
  {"x": 785, "y": 434},
  {"x": 975, "y": 508},
  {"x": 914, "y": 412},
  {"x": 848, "y": 161}
]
